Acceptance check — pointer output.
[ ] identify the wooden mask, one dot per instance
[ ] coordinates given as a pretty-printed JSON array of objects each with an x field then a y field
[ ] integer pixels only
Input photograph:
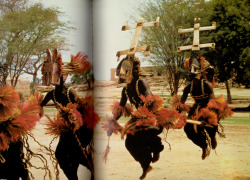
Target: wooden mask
[{"x": 52, "y": 68}]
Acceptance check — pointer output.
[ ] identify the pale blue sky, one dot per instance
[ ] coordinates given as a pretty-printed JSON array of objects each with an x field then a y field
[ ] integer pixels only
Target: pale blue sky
[
  {"x": 78, "y": 12},
  {"x": 108, "y": 18}
]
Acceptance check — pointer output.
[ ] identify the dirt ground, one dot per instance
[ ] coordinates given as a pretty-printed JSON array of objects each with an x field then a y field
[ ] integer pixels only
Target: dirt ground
[
  {"x": 230, "y": 161},
  {"x": 179, "y": 160},
  {"x": 40, "y": 135}
]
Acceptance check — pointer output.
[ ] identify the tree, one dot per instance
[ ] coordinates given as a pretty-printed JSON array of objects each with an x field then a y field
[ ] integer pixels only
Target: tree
[
  {"x": 87, "y": 76},
  {"x": 232, "y": 40},
  {"x": 3, "y": 74},
  {"x": 26, "y": 32},
  {"x": 245, "y": 61},
  {"x": 165, "y": 38},
  {"x": 12, "y": 5}
]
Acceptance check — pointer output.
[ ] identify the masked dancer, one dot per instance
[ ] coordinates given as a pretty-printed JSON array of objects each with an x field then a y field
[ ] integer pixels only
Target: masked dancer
[
  {"x": 147, "y": 121},
  {"x": 207, "y": 108},
  {"x": 76, "y": 117}
]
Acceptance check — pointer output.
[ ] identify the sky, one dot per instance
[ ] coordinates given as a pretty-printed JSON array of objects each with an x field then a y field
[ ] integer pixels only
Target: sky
[
  {"x": 109, "y": 17},
  {"x": 78, "y": 12},
  {"x": 98, "y": 31}
]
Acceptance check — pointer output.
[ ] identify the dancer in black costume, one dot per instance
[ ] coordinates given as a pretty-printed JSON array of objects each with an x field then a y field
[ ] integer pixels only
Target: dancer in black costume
[
  {"x": 16, "y": 120},
  {"x": 69, "y": 153},
  {"x": 201, "y": 75},
  {"x": 142, "y": 140}
]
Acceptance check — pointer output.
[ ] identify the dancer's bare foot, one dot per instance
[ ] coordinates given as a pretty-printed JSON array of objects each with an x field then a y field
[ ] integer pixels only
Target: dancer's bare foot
[
  {"x": 145, "y": 172},
  {"x": 213, "y": 142},
  {"x": 205, "y": 153}
]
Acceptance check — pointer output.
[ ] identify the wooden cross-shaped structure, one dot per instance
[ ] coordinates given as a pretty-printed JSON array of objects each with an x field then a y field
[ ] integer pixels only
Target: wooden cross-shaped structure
[
  {"x": 196, "y": 41},
  {"x": 138, "y": 28}
]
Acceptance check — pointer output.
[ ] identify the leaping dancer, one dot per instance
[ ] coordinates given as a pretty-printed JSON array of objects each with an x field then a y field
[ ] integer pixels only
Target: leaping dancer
[
  {"x": 208, "y": 110},
  {"x": 149, "y": 118}
]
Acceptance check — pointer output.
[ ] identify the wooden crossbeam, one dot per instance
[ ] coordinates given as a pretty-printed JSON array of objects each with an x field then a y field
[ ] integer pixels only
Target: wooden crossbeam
[
  {"x": 155, "y": 23},
  {"x": 208, "y": 45},
  {"x": 138, "y": 28},
  {"x": 213, "y": 27},
  {"x": 146, "y": 48},
  {"x": 196, "y": 40}
]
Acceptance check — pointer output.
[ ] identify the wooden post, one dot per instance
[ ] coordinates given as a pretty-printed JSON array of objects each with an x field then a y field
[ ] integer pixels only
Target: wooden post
[
  {"x": 197, "y": 122},
  {"x": 196, "y": 41}
]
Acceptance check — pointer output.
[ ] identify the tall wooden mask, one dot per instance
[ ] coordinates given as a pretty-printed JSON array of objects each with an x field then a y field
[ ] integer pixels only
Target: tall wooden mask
[{"x": 52, "y": 68}]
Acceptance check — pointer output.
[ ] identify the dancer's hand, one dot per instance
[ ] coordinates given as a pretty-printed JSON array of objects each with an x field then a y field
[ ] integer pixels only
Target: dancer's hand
[
  {"x": 41, "y": 112},
  {"x": 109, "y": 132},
  {"x": 203, "y": 124}
]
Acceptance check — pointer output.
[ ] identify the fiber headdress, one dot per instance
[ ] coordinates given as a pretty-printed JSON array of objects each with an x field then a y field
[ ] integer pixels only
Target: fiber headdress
[
  {"x": 16, "y": 118},
  {"x": 196, "y": 65},
  {"x": 53, "y": 68}
]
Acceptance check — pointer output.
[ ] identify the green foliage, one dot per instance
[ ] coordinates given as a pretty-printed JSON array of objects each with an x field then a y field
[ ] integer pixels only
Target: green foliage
[
  {"x": 232, "y": 39},
  {"x": 77, "y": 78},
  {"x": 165, "y": 38},
  {"x": 88, "y": 77},
  {"x": 245, "y": 61},
  {"x": 26, "y": 32},
  {"x": 236, "y": 120},
  {"x": 231, "y": 57}
]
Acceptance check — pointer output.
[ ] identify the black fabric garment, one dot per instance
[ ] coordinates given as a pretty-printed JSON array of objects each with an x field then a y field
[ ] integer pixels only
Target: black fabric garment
[
  {"x": 68, "y": 151},
  {"x": 14, "y": 167},
  {"x": 142, "y": 144},
  {"x": 201, "y": 92},
  {"x": 199, "y": 137},
  {"x": 69, "y": 154}
]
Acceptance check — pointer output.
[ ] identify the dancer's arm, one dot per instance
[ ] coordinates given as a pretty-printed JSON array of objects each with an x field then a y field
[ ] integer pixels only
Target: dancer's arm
[
  {"x": 123, "y": 102},
  {"x": 47, "y": 98},
  {"x": 186, "y": 91},
  {"x": 117, "y": 116},
  {"x": 144, "y": 88},
  {"x": 73, "y": 96},
  {"x": 210, "y": 89}
]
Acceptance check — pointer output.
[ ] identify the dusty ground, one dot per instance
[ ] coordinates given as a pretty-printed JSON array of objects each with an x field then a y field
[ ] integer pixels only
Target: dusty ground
[
  {"x": 231, "y": 160},
  {"x": 45, "y": 139}
]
